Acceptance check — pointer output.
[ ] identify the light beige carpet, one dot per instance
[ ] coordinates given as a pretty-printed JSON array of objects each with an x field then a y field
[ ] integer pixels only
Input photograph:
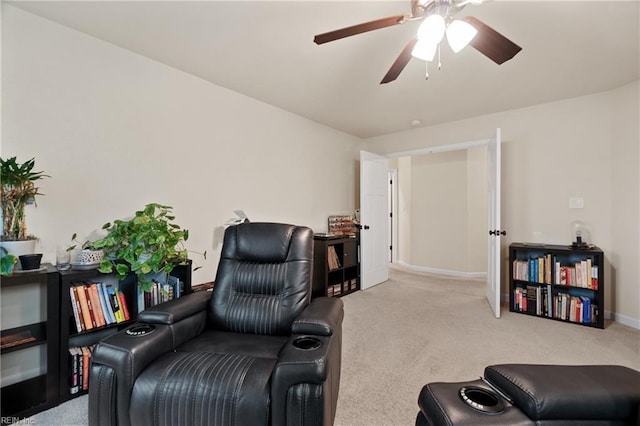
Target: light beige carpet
[{"x": 415, "y": 329}]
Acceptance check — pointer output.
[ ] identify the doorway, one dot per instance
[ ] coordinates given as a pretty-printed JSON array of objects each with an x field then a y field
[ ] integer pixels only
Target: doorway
[{"x": 438, "y": 212}]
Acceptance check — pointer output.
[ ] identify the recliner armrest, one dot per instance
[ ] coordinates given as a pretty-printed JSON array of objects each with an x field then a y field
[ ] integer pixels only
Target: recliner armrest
[
  {"x": 175, "y": 310},
  {"x": 123, "y": 357},
  {"x": 578, "y": 392},
  {"x": 320, "y": 318}
]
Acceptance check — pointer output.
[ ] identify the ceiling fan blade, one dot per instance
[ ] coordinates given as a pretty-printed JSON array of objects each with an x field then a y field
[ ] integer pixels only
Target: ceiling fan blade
[
  {"x": 359, "y": 28},
  {"x": 491, "y": 43},
  {"x": 401, "y": 61}
]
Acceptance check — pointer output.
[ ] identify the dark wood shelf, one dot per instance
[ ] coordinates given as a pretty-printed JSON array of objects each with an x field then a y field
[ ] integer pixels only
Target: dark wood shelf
[
  {"x": 551, "y": 284},
  {"x": 32, "y": 395},
  {"x": 26, "y": 398},
  {"x": 338, "y": 277},
  {"x": 24, "y": 337},
  {"x": 69, "y": 335}
]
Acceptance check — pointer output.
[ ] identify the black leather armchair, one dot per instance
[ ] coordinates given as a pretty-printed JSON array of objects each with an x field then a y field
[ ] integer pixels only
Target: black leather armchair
[
  {"x": 536, "y": 394},
  {"x": 254, "y": 351}
]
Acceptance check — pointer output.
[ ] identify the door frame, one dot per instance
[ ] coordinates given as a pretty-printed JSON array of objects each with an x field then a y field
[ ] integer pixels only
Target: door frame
[
  {"x": 448, "y": 148},
  {"x": 393, "y": 205}
]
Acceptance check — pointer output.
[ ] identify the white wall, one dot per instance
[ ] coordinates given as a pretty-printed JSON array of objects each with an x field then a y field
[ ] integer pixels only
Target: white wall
[
  {"x": 460, "y": 204},
  {"x": 405, "y": 197},
  {"x": 116, "y": 130},
  {"x": 625, "y": 203},
  {"x": 432, "y": 204},
  {"x": 585, "y": 147},
  {"x": 477, "y": 235}
]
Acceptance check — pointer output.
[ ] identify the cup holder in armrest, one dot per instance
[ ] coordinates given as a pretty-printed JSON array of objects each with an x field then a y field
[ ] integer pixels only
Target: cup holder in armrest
[
  {"x": 306, "y": 343},
  {"x": 140, "y": 330},
  {"x": 483, "y": 400}
]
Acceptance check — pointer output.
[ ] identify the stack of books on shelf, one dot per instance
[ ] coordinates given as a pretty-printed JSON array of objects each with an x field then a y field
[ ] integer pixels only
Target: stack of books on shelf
[
  {"x": 575, "y": 308},
  {"x": 533, "y": 300},
  {"x": 535, "y": 270},
  {"x": 97, "y": 305},
  {"x": 539, "y": 270},
  {"x": 351, "y": 284},
  {"x": 332, "y": 258},
  {"x": 79, "y": 368},
  {"x": 334, "y": 290},
  {"x": 541, "y": 301},
  {"x": 160, "y": 293},
  {"x": 582, "y": 274}
]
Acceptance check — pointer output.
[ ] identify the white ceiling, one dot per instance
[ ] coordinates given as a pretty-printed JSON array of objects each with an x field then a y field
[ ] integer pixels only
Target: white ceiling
[{"x": 265, "y": 50}]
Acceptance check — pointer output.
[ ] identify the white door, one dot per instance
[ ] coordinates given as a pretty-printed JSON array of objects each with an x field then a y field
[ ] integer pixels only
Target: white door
[
  {"x": 374, "y": 267},
  {"x": 493, "y": 267}
]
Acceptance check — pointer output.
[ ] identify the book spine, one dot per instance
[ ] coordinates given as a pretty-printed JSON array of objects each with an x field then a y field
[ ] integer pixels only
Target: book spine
[
  {"x": 97, "y": 305},
  {"x": 85, "y": 367},
  {"x": 91, "y": 313},
  {"x": 84, "y": 307},
  {"x": 123, "y": 304},
  {"x": 73, "y": 371},
  {"x": 106, "y": 306},
  {"x": 115, "y": 305},
  {"x": 75, "y": 309}
]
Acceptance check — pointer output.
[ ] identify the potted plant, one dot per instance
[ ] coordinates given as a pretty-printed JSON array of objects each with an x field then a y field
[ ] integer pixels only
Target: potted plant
[
  {"x": 17, "y": 189},
  {"x": 87, "y": 254},
  {"x": 149, "y": 243}
]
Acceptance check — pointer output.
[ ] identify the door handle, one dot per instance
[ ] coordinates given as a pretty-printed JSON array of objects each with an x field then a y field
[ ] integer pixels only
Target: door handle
[
  {"x": 366, "y": 227},
  {"x": 497, "y": 232}
]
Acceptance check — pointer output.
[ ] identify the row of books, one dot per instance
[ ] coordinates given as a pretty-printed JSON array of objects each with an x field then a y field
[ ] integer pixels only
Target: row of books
[
  {"x": 160, "y": 293},
  {"x": 79, "y": 368},
  {"x": 332, "y": 258},
  {"x": 583, "y": 274},
  {"x": 338, "y": 289},
  {"x": 96, "y": 305},
  {"x": 541, "y": 301},
  {"x": 544, "y": 270}
]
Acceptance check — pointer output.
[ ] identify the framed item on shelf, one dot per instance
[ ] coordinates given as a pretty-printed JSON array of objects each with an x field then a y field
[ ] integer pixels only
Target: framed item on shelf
[{"x": 342, "y": 226}]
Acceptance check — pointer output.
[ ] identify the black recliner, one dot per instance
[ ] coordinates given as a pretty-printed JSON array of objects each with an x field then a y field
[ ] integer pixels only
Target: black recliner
[
  {"x": 536, "y": 394},
  {"x": 255, "y": 351}
]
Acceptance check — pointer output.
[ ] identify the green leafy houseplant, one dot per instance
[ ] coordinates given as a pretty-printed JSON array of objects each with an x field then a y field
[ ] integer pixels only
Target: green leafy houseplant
[
  {"x": 17, "y": 189},
  {"x": 148, "y": 243},
  {"x": 7, "y": 262}
]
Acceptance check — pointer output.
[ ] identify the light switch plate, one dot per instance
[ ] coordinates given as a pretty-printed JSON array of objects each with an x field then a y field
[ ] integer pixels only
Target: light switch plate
[{"x": 576, "y": 203}]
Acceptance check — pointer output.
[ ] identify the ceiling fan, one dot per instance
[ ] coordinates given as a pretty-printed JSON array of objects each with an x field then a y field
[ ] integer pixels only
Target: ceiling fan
[{"x": 437, "y": 18}]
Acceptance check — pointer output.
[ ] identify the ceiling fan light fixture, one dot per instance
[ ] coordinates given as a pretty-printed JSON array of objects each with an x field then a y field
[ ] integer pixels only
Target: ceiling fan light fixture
[
  {"x": 459, "y": 34},
  {"x": 424, "y": 50},
  {"x": 432, "y": 29}
]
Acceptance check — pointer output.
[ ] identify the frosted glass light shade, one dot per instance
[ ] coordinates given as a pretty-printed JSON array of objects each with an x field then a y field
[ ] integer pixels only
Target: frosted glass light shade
[
  {"x": 460, "y": 34},
  {"x": 424, "y": 50},
  {"x": 432, "y": 29}
]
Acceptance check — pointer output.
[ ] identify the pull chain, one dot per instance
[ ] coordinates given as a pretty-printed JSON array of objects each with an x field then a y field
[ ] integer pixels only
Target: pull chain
[
  {"x": 439, "y": 63},
  {"x": 426, "y": 70}
]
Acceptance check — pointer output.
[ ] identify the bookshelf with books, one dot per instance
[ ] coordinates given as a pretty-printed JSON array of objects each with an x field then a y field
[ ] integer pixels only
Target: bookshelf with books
[
  {"x": 29, "y": 342},
  {"x": 557, "y": 282},
  {"x": 336, "y": 269},
  {"x": 94, "y": 306}
]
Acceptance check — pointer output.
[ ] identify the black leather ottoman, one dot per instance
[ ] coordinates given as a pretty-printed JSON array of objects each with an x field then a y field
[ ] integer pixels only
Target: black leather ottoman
[{"x": 526, "y": 394}]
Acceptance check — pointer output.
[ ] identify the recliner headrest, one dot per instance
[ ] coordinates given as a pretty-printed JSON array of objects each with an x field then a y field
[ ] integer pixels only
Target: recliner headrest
[{"x": 262, "y": 242}]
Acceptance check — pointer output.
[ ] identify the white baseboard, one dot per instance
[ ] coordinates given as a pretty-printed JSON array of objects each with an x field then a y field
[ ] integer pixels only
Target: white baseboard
[
  {"x": 623, "y": 319},
  {"x": 445, "y": 272}
]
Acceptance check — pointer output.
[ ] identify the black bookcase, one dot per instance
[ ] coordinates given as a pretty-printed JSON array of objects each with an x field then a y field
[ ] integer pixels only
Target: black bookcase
[
  {"x": 557, "y": 282},
  {"x": 336, "y": 266},
  {"x": 26, "y": 293},
  {"x": 69, "y": 335}
]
